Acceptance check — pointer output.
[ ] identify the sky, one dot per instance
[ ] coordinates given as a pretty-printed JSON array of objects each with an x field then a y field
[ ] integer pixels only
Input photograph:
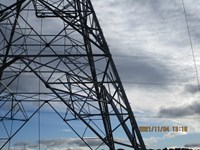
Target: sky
[
  {"x": 158, "y": 62},
  {"x": 151, "y": 46}
]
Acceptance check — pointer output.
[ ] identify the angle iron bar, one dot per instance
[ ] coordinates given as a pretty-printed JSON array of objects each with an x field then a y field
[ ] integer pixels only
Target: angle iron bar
[
  {"x": 53, "y": 69},
  {"x": 85, "y": 101},
  {"x": 52, "y": 100},
  {"x": 74, "y": 94},
  {"x": 25, "y": 97},
  {"x": 76, "y": 82},
  {"x": 67, "y": 65},
  {"x": 69, "y": 126},
  {"x": 88, "y": 47},
  {"x": 17, "y": 4},
  {"x": 36, "y": 34},
  {"x": 112, "y": 97},
  {"x": 34, "y": 100},
  {"x": 128, "y": 133},
  {"x": 10, "y": 111},
  {"x": 72, "y": 25},
  {"x": 2, "y": 104},
  {"x": 5, "y": 65},
  {"x": 17, "y": 75},
  {"x": 125, "y": 99},
  {"x": 6, "y": 87},
  {"x": 48, "y": 86},
  {"x": 3, "y": 139},
  {"x": 79, "y": 99},
  {"x": 71, "y": 82},
  {"x": 21, "y": 126},
  {"x": 80, "y": 110},
  {"x": 99, "y": 146},
  {"x": 83, "y": 89},
  {"x": 6, "y": 130},
  {"x": 23, "y": 110},
  {"x": 13, "y": 119},
  {"x": 122, "y": 143},
  {"x": 86, "y": 128},
  {"x": 57, "y": 55},
  {"x": 97, "y": 126},
  {"x": 44, "y": 44},
  {"x": 11, "y": 36},
  {"x": 70, "y": 89},
  {"x": 109, "y": 134},
  {"x": 122, "y": 94},
  {"x": 36, "y": 62},
  {"x": 4, "y": 37},
  {"x": 47, "y": 93},
  {"x": 18, "y": 7},
  {"x": 55, "y": 36},
  {"x": 121, "y": 122}
]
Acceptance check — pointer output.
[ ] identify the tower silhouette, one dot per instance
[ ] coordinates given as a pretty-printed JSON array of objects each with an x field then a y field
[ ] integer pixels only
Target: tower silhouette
[{"x": 53, "y": 53}]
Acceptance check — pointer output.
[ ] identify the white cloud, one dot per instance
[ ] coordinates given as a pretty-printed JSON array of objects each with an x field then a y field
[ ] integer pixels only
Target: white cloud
[
  {"x": 149, "y": 142},
  {"x": 154, "y": 58},
  {"x": 66, "y": 130},
  {"x": 62, "y": 144},
  {"x": 193, "y": 145}
]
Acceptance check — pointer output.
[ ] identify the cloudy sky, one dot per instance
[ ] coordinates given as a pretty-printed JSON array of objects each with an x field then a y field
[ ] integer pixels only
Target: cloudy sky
[
  {"x": 157, "y": 63},
  {"x": 155, "y": 46}
]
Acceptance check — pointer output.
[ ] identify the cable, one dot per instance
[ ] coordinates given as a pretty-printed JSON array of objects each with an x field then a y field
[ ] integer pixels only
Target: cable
[
  {"x": 156, "y": 83},
  {"x": 191, "y": 45},
  {"x": 39, "y": 132},
  {"x": 165, "y": 117},
  {"x": 39, "y": 115}
]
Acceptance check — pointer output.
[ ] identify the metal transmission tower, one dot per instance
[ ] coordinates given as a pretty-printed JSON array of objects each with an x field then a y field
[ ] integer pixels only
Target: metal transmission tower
[{"x": 53, "y": 53}]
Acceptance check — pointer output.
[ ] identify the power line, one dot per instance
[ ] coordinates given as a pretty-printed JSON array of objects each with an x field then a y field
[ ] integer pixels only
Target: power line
[
  {"x": 156, "y": 83},
  {"x": 191, "y": 45},
  {"x": 166, "y": 117}
]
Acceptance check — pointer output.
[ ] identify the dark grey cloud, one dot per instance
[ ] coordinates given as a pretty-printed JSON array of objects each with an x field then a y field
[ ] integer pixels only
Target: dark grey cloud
[
  {"x": 193, "y": 89},
  {"x": 26, "y": 82},
  {"x": 144, "y": 70},
  {"x": 193, "y": 145},
  {"x": 150, "y": 31},
  {"x": 22, "y": 143},
  {"x": 70, "y": 143},
  {"x": 181, "y": 111},
  {"x": 90, "y": 141},
  {"x": 136, "y": 70},
  {"x": 55, "y": 143},
  {"x": 25, "y": 144}
]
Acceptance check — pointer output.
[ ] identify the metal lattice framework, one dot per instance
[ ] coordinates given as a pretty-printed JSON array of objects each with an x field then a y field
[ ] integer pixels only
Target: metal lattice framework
[{"x": 59, "y": 47}]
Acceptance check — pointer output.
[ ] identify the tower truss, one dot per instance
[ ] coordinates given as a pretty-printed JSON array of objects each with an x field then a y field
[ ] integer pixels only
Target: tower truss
[{"x": 53, "y": 53}]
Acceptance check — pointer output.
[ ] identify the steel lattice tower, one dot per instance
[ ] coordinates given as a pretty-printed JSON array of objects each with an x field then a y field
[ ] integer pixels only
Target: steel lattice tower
[{"x": 60, "y": 47}]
